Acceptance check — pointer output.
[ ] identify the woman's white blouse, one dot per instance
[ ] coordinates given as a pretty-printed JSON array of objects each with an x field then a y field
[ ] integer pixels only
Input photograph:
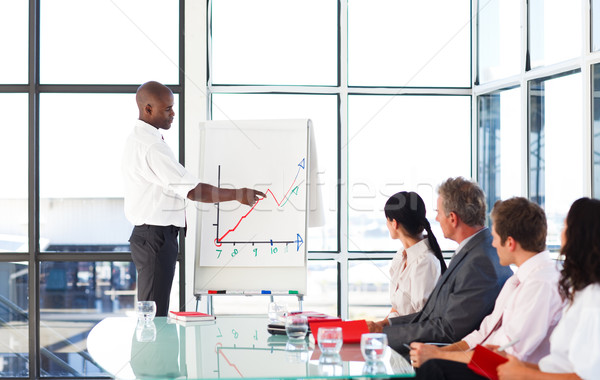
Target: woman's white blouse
[
  {"x": 410, "y": 288},
  {"x": 575, "y": 342}
]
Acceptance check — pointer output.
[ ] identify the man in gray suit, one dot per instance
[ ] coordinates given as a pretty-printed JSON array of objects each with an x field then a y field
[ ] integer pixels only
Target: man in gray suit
[{"x": 467, "y": 291}]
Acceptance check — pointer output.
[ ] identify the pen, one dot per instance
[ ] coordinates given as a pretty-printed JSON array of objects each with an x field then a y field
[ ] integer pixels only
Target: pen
[
  {"x": 407, "y": 346},
  {"x": 509, "y": 344}
]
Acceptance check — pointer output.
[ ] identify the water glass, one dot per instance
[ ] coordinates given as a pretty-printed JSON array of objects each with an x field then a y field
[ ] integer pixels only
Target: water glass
[
  {"x": 146, "y": 310},
  {"x": 146, "y": 332},
  {"x": 330, "y": 340},
  {"x": 373, "y": 346},
  {"x": 297, "y": 351},
  {"x": 277, "y": 312},
  {"x": 296, "y": 326},
  {"x": 330, "y": 365},
  {"x": 374, "y": 368}
]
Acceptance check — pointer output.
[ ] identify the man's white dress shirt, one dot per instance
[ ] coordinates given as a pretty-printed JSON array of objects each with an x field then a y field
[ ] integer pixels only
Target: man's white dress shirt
[
  {"x": 410, "y": 287},
  {"x": 156, "y": 184},
  {"x": 527, "y": 308}
]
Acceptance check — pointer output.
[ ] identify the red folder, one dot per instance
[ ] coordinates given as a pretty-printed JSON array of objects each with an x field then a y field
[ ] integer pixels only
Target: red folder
[
  {"x": 351, "y": 330},
  {"x": 485, "y": 361}
]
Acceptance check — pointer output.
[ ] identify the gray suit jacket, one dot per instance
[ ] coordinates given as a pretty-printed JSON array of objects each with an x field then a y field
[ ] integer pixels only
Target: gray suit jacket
[{"x": 462, "y": 297}]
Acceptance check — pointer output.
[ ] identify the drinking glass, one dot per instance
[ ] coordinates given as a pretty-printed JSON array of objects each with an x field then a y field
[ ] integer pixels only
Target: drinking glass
[
  {"x": 330, "y": 365},
  {"x": 373, "y": 346},
  {"x": 146, "y": 310},
  {"x": 330, "y": 340},
  {"x": 146, "y": 332},
  {"x": 277, "y": 312},
  {"x": 374, "y": 368},
  {"x": 297, "y": 351},
  {"x": 296, "y": 326}
]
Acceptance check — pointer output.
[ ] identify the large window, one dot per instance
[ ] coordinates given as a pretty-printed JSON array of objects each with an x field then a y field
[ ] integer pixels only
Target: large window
[
  {"x": 396, "y": 134},
  {"x": 272, "y": 42},
  {"x": 388, "y": 45},
  {"x": 556, "y": 126},
  {"x": 498, "y": 35},
  {"x": 13, "y": 158},
  {"x": 68, "y": 76},
  {"x": 14, "y": 28},
  {"x": 555, "y": 31},
  {"x": 537, "y": 135},
  {"x": 388, "y": 94},
  {"x": 109, "y": 42},
  {"x": 14, "y": 318},
  {"x": 369, "y": 289},
  {"x": 595, "y": 23},
  {"x": 81, "y": 189},
  {"x": 500, "y": 145},
  {"x": 90, "y": 291}
]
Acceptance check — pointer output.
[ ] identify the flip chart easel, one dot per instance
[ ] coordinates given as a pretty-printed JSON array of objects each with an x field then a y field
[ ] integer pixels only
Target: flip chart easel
[{"x": 258, "y": 250}]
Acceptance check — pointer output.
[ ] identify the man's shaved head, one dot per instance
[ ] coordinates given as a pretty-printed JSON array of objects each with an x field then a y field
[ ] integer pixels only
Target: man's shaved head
[{"x": 155, "y": 104}]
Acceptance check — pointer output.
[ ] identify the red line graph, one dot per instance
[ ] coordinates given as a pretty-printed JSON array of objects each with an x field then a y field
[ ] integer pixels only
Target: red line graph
[
  {"x": 301, "y": 166},
  {"x": 227, "y": 360}
]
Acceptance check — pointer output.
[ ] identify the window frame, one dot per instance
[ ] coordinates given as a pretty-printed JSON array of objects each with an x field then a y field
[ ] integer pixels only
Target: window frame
[{"x": 34, "y": 257}]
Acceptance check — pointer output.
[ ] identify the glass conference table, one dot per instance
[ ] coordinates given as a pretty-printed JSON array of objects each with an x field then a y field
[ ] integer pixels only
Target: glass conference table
[{"x": 231, "y": 347}]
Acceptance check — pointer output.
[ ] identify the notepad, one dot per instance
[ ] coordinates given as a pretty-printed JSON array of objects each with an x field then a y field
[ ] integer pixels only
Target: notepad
[
  {"x": 485, "y": 361},
  {"x": 190, "y": 316},
  {"x": 351, "y": 330}
]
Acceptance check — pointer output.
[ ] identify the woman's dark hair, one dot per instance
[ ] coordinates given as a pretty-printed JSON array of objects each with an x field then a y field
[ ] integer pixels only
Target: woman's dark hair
[
  {"x": 581, "y": 250},
  {"x": 408, "y": 209}
]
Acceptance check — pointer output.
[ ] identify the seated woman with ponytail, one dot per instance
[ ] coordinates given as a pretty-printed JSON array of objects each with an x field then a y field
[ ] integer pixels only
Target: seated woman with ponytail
[{"x": 416, "y": 267}]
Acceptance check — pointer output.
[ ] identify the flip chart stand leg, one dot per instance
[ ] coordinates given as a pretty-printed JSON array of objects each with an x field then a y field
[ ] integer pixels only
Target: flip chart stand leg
[{"x": 209, "y": 306}]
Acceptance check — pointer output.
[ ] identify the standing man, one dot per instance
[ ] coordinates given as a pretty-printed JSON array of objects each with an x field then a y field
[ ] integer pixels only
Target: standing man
[
  {"x": 466, "y": 292},
  {"x": 156, "y": 189},
  {"x": 528, "y": 307}
]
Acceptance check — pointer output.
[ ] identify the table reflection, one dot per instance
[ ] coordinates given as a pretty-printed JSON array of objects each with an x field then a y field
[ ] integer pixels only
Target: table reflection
[
  {"x": 229, "y": 348},
  {"x": 155, "y": 357}
]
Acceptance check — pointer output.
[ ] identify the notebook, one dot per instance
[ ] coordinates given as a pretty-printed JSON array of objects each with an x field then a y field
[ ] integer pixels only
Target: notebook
[{"x": 485, "y": 361}]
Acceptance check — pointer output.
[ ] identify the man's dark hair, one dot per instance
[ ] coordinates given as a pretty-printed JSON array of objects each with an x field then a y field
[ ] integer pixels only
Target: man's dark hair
[{"x": 523, "y": 220}]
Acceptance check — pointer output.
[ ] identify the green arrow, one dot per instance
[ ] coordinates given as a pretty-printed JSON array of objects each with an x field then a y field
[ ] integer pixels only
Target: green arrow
[{"x": 294, "y": 191}]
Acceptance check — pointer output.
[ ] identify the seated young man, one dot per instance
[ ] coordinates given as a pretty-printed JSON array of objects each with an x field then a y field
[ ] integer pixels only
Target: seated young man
[{"x": 528, "y": 307}]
